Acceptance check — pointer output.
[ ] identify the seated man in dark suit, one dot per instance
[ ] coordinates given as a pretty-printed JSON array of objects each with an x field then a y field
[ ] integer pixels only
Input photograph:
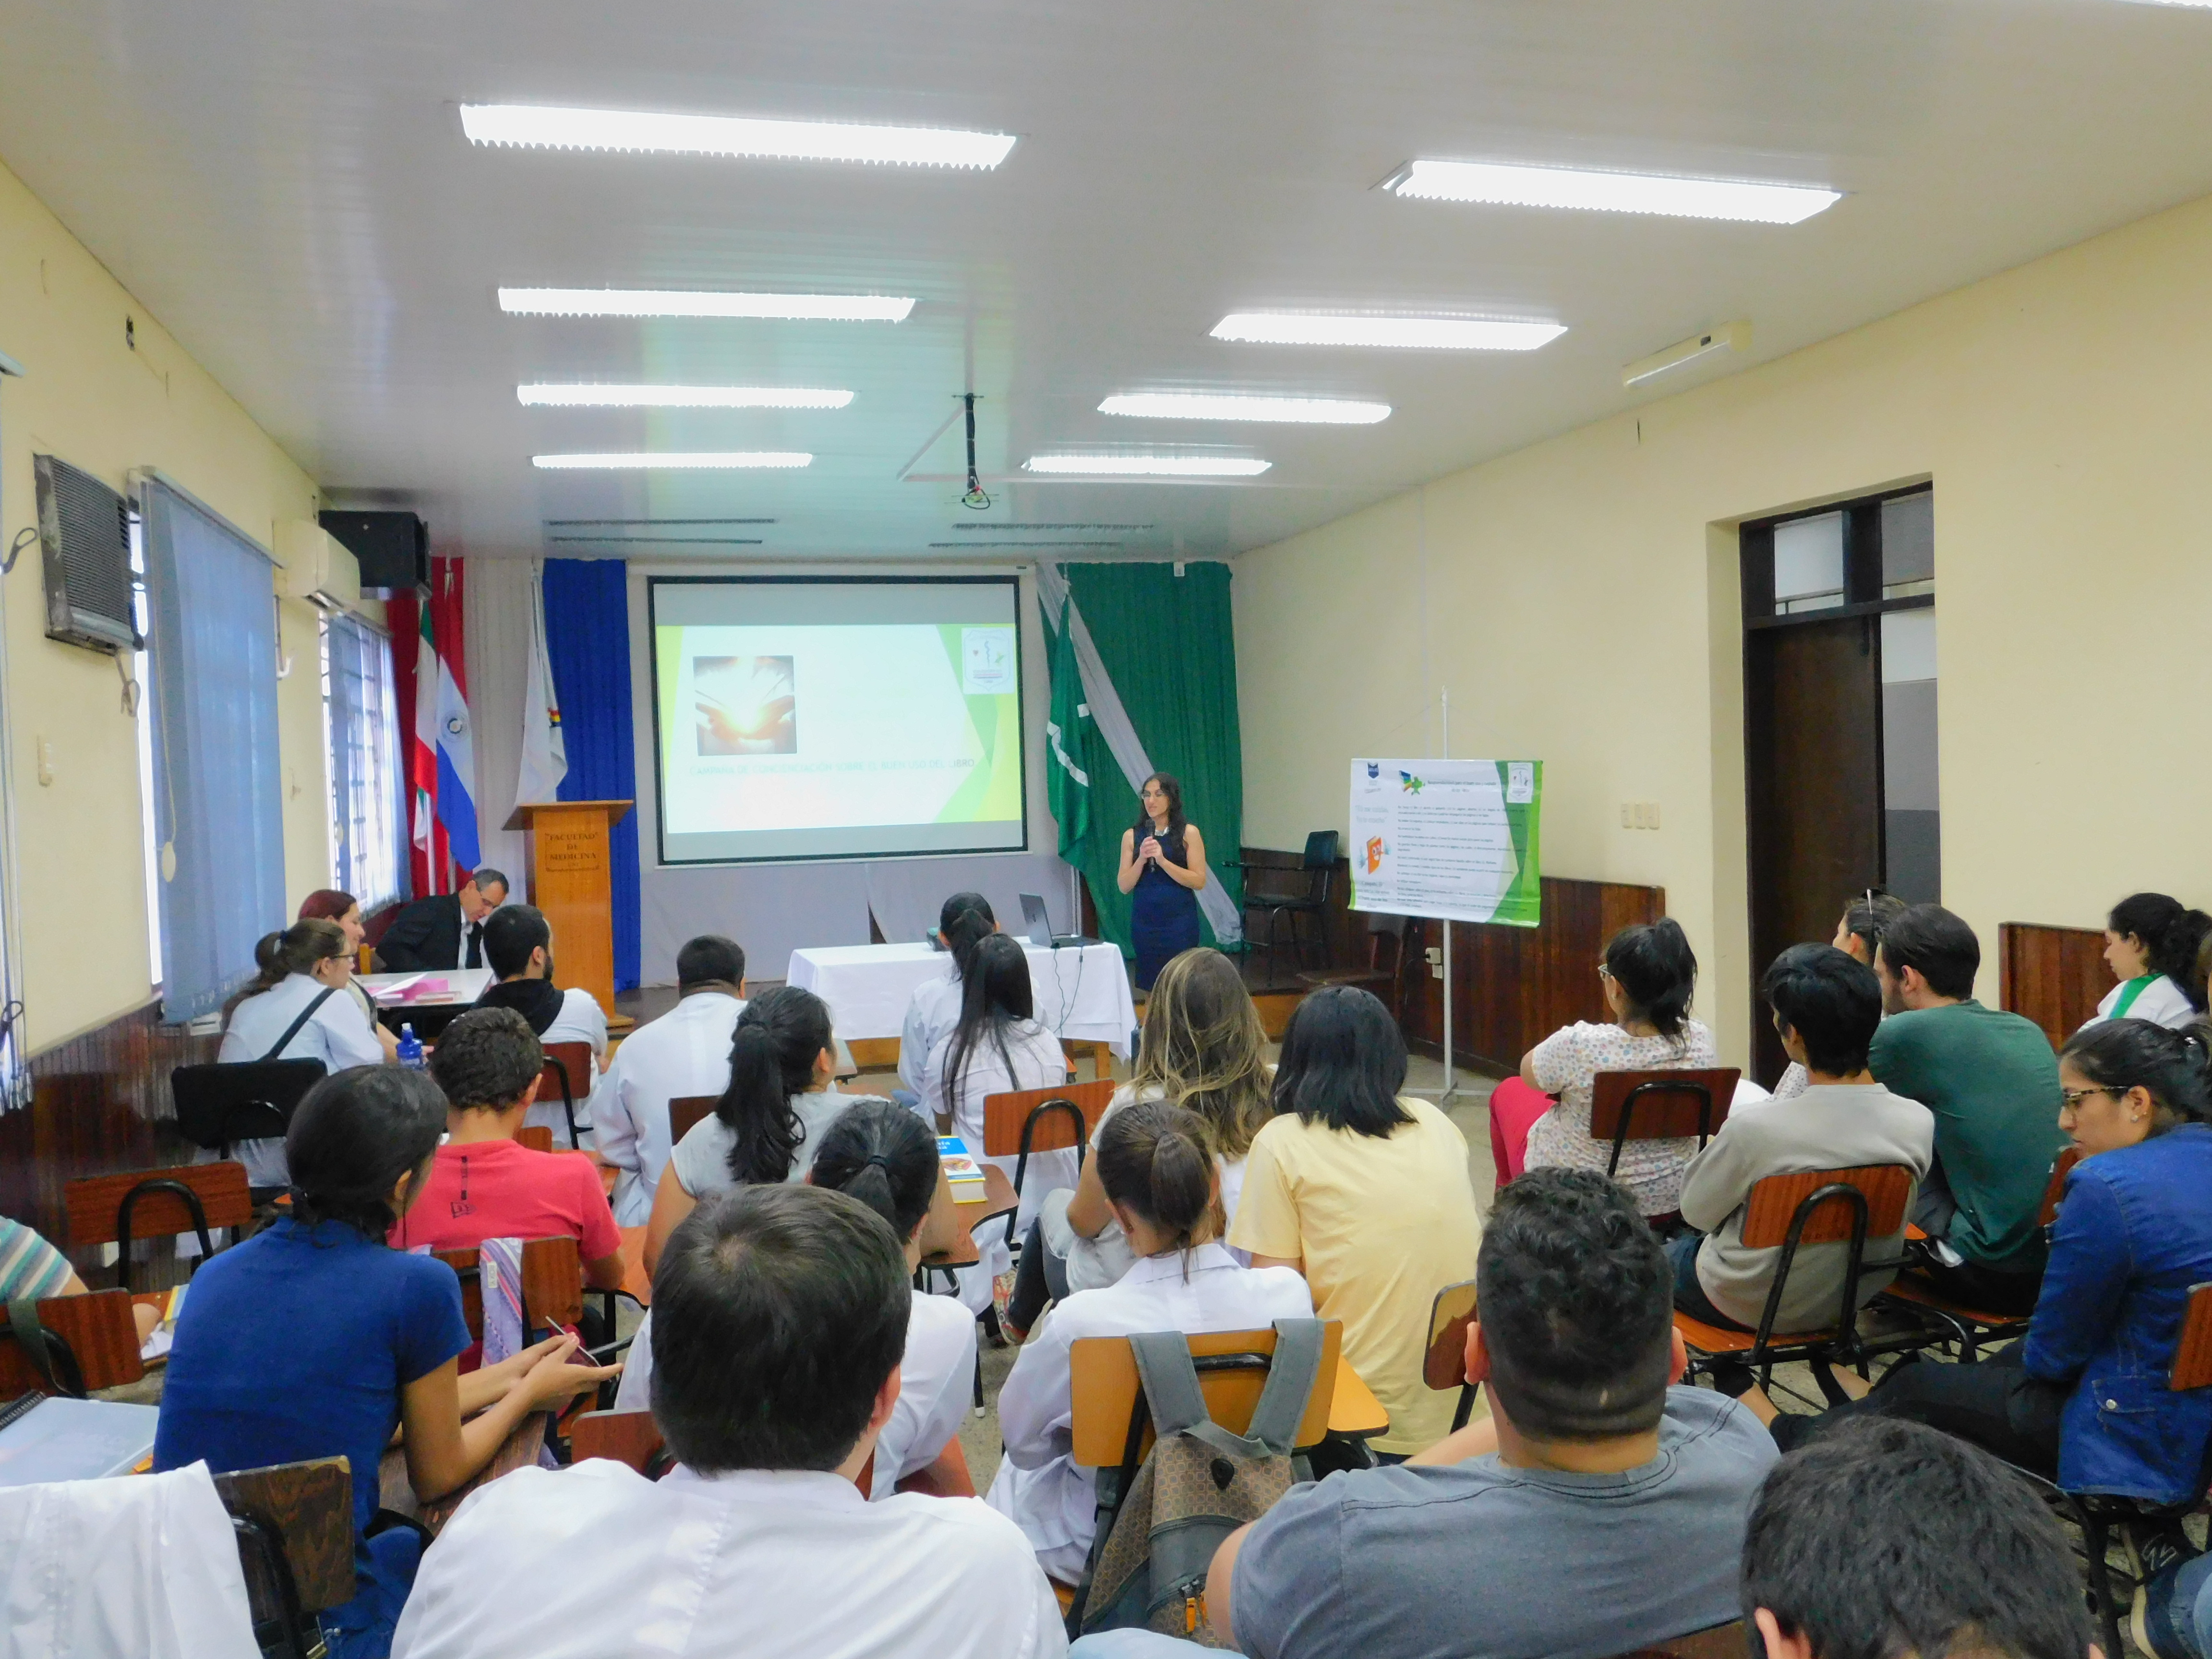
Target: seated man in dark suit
[{"x": 445, "y": 930}]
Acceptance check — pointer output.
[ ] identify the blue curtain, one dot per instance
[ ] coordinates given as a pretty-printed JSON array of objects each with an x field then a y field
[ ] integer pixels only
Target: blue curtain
[
  {"x": 587, "y": 642},
  {"x": 218, "y": 805}
]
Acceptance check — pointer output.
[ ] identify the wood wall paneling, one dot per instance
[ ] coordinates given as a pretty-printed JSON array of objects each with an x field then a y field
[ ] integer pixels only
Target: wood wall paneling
[
  {"x": 2055, "y": 975},
  {"x": 1271, "y": 870},
  {"x": 1513, "y": 987},
  {"x": 100, "y": 1103}
]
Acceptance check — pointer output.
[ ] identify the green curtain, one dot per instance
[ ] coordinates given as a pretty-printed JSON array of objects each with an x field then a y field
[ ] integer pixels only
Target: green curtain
[{"x": 1168, "y": 643}]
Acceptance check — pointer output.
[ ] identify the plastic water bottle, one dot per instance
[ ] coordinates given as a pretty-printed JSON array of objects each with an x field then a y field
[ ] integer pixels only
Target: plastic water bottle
[{"x": 411, "y": 1050}]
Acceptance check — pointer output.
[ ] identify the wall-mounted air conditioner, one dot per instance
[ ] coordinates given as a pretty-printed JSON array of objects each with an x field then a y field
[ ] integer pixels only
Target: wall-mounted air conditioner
[
  {"x": 317, "y": 566},
  {"x": 84, "y": 533}
]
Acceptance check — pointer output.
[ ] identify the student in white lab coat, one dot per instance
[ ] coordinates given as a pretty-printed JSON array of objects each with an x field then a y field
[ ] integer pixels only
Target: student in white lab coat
[
  {"x": 997, "y": 1047},
  {"x": 685, "y": 1052},
  {"x": 518, "y": 947},
  {"x": 782, "y": 1310},
  {"x": 879, "y": 1153},
  {"x": 1203, "y": 1047},
  {"x": 1161, "y": 1181},
  {"x": 296, "y": 1008},
  {"x": 2151, "y": 945},
  {"x": 934, "y": 1010},
  {"x": 782, "y": 1094}
]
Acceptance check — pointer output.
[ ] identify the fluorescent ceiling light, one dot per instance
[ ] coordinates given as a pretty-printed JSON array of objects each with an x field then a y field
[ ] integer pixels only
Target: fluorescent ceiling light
[
  {"x": 680, "y": 397},
  {"x": 1612, "y": 192},
  {"x": 1148, "y": 466},
  {"x": 1357, "y": 329},
  {"x": 658, "y": 459},
  {"x": 1200, "y": 406},
  {"x": 674, "y": 302},
  {"x": 725, "y": 135}
]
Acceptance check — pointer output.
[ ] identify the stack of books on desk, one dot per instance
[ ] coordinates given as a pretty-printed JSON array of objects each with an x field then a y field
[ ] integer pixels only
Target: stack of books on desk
[{"x": 965, "y": 1173}]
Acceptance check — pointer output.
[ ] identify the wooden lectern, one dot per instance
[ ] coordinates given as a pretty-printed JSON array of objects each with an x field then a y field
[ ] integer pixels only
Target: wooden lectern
[{"x": 570, "y": 877}]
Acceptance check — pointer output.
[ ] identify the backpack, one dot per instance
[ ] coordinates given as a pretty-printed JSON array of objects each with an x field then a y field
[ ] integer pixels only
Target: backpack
[{"x": 1199, "y": 1484}]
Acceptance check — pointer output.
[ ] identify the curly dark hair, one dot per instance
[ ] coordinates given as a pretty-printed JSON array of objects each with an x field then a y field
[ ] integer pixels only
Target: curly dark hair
[
  {"x": 1577, "y": 1303},
  {"x": 487, "y": 1059}
]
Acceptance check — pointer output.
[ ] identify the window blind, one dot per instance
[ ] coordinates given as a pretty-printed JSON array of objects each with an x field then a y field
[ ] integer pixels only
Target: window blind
[
  {"x": 218, "y": 810},
  {"x": 366, "y": 801}
]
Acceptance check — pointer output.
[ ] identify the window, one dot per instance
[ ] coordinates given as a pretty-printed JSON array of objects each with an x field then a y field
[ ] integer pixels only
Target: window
[
  {"x": 218, "y": 809},
  {"x": 368, "y": 834}
]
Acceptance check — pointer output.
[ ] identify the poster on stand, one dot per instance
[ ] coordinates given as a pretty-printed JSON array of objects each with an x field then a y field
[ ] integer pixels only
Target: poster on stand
[{"x": 1451, "y": 839}]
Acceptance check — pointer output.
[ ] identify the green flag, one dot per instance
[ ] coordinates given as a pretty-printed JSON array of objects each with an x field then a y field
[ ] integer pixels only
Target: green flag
[{"x": 1068, "y": 786}]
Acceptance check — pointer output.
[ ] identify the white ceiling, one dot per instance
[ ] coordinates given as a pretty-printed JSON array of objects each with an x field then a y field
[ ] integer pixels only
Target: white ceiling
[{"x": 284, "y": 184}]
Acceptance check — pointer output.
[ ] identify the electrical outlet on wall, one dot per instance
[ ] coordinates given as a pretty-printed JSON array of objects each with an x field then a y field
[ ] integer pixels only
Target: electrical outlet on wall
[{"x": 1639, "y": 815}]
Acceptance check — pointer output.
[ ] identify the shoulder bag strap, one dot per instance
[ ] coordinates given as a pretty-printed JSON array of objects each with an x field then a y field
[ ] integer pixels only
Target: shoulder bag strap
[
  {"x": 1291, "y": 1378},
  {"x": 292, "y": 1030},
  {"x": 1173, "y": 1396}
]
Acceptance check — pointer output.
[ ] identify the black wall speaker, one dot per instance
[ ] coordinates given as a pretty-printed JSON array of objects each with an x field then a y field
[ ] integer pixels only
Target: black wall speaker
[{"x": 393, "y": 548}]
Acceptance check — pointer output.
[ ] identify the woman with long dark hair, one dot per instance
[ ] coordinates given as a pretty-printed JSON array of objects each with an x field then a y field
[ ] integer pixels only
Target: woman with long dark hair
[
  {"x": 1163, "y": 867},
  {"x": 783, "y": 1094},
  {"x": 2151, "y": 945},
  {"x": 1648, "y": 975},
  {"x": 998, "y": 1047},
  {"x": 315, "y": 1339},
  {"x": 963, "y": 922},
  {"x": 1365, "y": 1189}
]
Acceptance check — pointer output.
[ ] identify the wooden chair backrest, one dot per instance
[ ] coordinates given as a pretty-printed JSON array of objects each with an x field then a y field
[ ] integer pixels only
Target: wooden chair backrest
[
  {"x": 309, "y": 1508},
  {"x": 874, "y": 1054},
  {"x": 1103, "y": 1386},
  {"x": 94, "y": 1203},
  {"x": 627, "y": 1437},
  {"x": 1004, "y": 1116},
  {"x": 1774, "y": 1200},
  {"x": 537, "y": 1137},
  {"x": 684, "y": 1112},
  {"x": 2192, "y": 1356},
  {"x": 1445, "y": 1364},
  {"x": 1669, "y": 1109},
  {"x": 1720, "y": 1642},
  {"x": 569, "y": 1063},
  {"x": 99, "y": 1331},
  {"x": 552, "y": 1282},
  {"x": 2061, "y": 1167},
  {"x": 947, "y": 1477}
]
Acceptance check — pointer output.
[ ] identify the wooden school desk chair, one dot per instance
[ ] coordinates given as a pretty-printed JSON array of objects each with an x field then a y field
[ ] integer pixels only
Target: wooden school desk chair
[
  {"x": 567, "y": 1078},
  {"x": 134, "y": 1204},
  {"x": 83, "y": 1343},
  {"x": 218, "y": 1106},
  {"x": 1787, "y": 1211},
  {"x": 684, "y": 1112},
  {"x": 1024, "y": 1121},
  {"x": 1660, "y": 1105},
  {"x": 1716, "y": 1642},
  {"x": 1444, "y": 1360},
  {"x": 295, "y": 1527},
  {"x": 1968, "y": 1327}
]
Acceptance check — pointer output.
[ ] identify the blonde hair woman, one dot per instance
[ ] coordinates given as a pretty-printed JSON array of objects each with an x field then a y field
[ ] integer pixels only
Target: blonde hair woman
[{"x": 1203, "y": 1048}]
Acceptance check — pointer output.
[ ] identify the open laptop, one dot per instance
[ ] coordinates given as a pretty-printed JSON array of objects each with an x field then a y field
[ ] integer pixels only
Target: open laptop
[{"x": 1036, "y": 926}]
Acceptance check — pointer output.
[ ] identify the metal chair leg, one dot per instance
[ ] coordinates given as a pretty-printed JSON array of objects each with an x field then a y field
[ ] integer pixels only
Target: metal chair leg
[{"x": 2095, "y": 1537}]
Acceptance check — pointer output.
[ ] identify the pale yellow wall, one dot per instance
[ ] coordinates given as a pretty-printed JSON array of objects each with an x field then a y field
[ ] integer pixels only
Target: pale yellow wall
[
  {"x": 1578, "y": 599},
  {"x": 95, "y": 401}
]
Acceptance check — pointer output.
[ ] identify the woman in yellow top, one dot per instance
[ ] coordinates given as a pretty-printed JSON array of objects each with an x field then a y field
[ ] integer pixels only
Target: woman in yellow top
[{"x": 1366, "y": 1192}]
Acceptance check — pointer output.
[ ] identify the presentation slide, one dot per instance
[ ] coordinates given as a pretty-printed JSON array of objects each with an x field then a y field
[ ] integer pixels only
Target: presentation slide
[{"x": 836, "y": 717}]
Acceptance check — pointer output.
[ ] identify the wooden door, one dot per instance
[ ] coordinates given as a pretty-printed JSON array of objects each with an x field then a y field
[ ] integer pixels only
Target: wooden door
[{"x": 1813, "y": 772}]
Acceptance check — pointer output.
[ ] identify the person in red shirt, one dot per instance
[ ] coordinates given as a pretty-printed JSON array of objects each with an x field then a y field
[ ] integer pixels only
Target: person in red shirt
[{"x": 484, "y": 1184}]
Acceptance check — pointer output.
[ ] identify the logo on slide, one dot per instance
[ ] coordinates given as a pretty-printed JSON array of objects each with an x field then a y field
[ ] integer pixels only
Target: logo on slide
[
  {"x": 745, "y": 705},
  {"x": 1375, "y": 769},
  {"x": 1409, "y": 783},
  {"x": 1374, "y": 854},
  {"x": 987, "y": 661}
]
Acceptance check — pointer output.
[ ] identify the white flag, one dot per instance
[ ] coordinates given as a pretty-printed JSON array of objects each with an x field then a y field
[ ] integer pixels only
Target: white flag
[{"x": 544, "y": 755}]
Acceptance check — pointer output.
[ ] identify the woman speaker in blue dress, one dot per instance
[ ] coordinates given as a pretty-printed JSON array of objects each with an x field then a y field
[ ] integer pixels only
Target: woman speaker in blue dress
[{"x": 1163, "y": 867}]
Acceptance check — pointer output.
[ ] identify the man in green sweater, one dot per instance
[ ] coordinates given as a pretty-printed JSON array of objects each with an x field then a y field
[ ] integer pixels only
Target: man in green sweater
[{"x": 1992, "y": 1082}]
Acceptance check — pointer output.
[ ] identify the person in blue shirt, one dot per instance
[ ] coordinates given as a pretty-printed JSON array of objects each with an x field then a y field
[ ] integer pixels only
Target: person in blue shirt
[
  {"x": 2084, "y": 1397},
  {"x": 315, "y": 1340}
]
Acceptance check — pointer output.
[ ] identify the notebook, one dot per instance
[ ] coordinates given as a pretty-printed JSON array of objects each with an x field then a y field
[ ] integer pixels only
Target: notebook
[
  {"x": 965, "y": 1173},
  {"x": 73, "y": 1440}
]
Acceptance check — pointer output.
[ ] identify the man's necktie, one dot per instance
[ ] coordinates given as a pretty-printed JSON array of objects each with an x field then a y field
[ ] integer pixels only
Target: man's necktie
[{"x": 475, "y": 945}]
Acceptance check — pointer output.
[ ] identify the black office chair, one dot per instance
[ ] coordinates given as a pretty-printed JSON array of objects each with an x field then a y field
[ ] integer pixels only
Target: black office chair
[
  {"x": 1318, "y": 871},
  {"x": 219, "y": 1106}
]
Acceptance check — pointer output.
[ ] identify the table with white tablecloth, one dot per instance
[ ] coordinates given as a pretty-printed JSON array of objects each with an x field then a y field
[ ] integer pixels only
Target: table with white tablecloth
[{"x": 1082, "y": 991}]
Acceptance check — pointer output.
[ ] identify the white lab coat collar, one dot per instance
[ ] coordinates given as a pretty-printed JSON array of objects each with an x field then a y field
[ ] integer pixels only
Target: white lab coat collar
[
  {"x": 813, "y": 1489},
  {"x": 1206, "y": 1259}
]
